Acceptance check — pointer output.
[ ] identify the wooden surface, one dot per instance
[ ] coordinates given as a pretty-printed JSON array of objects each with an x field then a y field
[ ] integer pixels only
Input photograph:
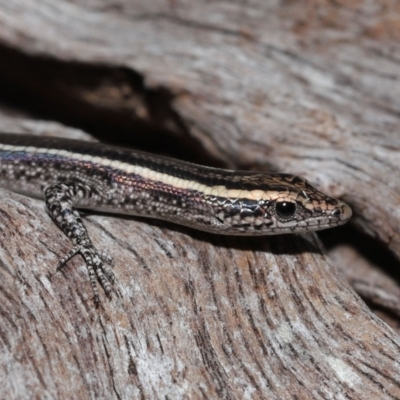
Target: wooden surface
[{"x": 304, "y": 87}]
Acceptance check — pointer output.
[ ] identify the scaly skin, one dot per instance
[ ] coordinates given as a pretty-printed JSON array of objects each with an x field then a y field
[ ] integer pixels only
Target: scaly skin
[{"x": 71, "y": 174}]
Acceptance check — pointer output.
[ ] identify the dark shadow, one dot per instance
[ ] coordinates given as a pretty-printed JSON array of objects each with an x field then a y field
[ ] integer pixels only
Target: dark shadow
[
  {"x": 371, "y": 248},
  {"x": 110, "y": 102},
  {"x": 287, "y": 244},
  {"x": 103, "y": 101}
]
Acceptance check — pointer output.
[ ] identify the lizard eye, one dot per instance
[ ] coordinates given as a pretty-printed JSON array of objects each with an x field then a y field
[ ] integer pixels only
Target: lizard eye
[{"x": 285, "y": 209}]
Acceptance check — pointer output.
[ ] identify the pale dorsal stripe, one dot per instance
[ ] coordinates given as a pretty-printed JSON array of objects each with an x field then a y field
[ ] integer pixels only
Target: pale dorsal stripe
[{"x": 148, "y": 173}]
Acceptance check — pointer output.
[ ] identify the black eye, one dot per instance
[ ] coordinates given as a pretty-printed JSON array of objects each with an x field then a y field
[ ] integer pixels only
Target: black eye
[{"x": 285, "y": 209}]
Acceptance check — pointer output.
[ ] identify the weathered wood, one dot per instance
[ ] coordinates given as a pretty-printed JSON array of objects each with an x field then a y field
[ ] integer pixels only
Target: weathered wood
[{"x": 253, "y": 86}]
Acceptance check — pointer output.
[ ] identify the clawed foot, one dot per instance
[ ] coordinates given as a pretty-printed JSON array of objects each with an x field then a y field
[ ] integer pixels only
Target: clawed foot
[{"x": 99, "y": 268}]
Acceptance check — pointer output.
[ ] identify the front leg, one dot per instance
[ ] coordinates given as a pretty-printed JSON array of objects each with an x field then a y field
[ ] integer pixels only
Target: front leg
[{"x": 59, "y": 200}]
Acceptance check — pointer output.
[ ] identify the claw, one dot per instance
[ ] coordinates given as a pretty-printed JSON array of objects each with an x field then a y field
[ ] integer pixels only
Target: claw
[
  {"x": 59, "y": 200},
  {"x": 98, "y": 267}
]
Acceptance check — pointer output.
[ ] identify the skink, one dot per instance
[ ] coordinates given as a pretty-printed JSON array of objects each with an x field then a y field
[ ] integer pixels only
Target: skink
[{"x": 70, "y": 174}]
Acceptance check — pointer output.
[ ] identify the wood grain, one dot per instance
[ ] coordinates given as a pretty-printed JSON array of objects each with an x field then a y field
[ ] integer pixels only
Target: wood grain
[{"x": 309, "y": 89}]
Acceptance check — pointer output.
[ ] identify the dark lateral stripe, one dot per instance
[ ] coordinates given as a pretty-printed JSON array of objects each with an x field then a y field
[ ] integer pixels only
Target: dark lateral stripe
[{"x": 207, "y": 176}]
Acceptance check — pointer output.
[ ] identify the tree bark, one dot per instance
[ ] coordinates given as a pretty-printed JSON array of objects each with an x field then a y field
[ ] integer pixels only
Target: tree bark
[{"x": 308, "y": 88}]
